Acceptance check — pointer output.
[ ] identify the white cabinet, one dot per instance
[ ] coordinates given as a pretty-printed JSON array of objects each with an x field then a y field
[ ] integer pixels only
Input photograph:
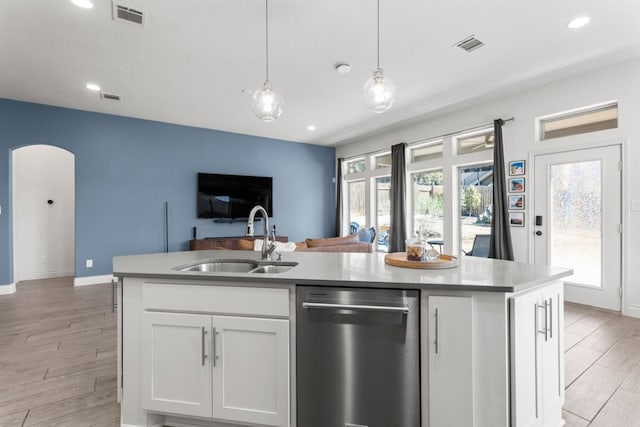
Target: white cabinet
[
  {"x": 537, "y": 362},
  {"x": 223, "y": 368},
  {"x": 251, "y": 370},
  {"x": 450, "y": 361},
  {"x": 176, "y": 376}
]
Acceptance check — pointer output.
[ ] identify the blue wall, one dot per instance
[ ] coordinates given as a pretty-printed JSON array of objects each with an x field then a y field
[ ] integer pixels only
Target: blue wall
[{"x": 127, "y": 168}]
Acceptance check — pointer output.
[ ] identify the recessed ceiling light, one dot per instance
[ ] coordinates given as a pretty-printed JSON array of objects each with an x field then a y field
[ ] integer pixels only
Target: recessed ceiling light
[
  {"x": 578, "y": 22},
  {"x": 85, "y": 4},
  {"x": 342, "y": 68},
  {"x": 311, "y": 127},
  {"x": 92, "y": 86}
]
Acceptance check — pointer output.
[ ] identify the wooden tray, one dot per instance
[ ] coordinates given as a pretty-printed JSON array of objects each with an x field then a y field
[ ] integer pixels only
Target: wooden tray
[{"x": 399, "y": 259}]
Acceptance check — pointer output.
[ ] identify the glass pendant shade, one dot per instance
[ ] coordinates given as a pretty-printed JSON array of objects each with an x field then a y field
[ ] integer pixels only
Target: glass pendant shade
[
  {"x": 267, "y": 103},
  {"x": 379, "y": 92}
]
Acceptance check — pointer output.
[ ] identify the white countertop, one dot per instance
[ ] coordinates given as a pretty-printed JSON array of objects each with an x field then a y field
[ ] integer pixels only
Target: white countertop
[{"x": 348, "y": 269}]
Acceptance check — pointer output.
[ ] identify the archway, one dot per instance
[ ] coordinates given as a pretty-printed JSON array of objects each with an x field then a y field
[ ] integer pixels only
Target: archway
[{"x": 43, "y": 197}]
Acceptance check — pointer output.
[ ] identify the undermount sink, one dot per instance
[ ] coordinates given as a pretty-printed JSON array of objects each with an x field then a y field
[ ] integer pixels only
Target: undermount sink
[
  {"x": 238, "y": 266},
  {"x": 270, "y": 269}
]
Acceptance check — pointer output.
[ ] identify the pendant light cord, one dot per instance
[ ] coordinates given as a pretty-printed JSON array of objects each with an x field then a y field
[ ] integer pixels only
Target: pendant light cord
[
  {"x": 378, "y": 24},
  {"x": 266, "y": 27}
]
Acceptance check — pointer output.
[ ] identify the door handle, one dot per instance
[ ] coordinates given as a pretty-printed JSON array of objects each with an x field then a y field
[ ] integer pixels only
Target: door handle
[{"x": 538, "y": 233}]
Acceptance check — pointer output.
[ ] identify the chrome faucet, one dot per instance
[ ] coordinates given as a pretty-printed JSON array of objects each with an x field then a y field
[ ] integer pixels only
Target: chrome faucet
[{"x": 267, "y": 247}]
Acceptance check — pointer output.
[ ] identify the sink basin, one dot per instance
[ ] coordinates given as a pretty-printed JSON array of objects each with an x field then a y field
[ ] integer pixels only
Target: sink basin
[
  {"x": 221, "y": 266},
  {"x": 270, "y": 269},
  {"x": 238, "y": 266}
]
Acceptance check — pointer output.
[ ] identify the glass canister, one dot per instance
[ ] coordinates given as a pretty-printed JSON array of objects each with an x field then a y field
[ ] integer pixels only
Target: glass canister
[{"x": 415, "y": 249}]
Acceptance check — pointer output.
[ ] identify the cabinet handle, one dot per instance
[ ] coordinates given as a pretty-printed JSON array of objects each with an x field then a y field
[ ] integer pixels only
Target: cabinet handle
[
  {"x": 204, "y": 356},
  {"x": 213, "y": 351},
  {"x": 437, "y": 332},
  {"x": 545, "y": 330},
  {"x": 551, "y": 318}
]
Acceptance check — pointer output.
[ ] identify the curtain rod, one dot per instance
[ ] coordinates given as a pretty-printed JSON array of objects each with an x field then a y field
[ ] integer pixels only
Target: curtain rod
[{"x": 510, "y": 119}]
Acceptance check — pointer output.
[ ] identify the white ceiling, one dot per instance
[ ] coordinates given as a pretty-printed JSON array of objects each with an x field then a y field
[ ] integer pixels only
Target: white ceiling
[{"x": 190, "y": 62}]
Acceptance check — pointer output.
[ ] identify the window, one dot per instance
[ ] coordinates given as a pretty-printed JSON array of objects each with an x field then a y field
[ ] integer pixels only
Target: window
[
  {"x": 383, "y": 209},
  {"x": 475, "y": 142},
  {"x": 428, "y": 151},
  {"x": 357, "y": 206},
  {"x": 476, "y": 198},
  {"x": 428, "y": 203},
  {"x": 382, "y": 161},
  {"x": 366, "y": 196},
  {"x": 356, "y": 166},
  {"x": 584, "y": 121}
]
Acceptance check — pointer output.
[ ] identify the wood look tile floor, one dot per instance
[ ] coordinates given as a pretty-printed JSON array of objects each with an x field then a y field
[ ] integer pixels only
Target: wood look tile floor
[
  {"x": 602, "y": 368},
  {"x": 58, "y": 360},
  {"x": 58, "y": 355}
]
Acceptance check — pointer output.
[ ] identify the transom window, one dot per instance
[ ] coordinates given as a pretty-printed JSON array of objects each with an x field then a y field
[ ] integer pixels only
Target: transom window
[
  {"x": 356, "y": 166},
  {"x": 428, "y": 151},
  {"x": 586, "y": 120},
  {"x": 382, "y": 161},
  {"x": 475, "y": 142}
]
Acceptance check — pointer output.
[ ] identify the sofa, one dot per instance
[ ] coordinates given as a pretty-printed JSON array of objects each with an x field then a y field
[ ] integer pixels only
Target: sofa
[{"x": 350, "y": 243}]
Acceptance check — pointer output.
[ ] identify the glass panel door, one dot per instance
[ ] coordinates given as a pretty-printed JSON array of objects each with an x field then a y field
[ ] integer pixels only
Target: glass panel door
[
  {"x": 576, "y": 223},
  {"x": 575, "y": 238}
]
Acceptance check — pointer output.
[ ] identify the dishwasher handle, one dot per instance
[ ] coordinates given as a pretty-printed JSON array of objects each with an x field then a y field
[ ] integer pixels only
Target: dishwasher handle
[{"x": 328, "y": 306}]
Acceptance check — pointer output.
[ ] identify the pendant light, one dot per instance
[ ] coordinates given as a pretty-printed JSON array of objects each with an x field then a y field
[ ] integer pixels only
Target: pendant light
[
  {"x": 267, "y": 103},
  {"x": 379, "y": 90}
]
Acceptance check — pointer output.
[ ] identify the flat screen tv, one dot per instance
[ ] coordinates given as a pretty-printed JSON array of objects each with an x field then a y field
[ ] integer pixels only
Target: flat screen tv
[{"x": 233, "y": 196}]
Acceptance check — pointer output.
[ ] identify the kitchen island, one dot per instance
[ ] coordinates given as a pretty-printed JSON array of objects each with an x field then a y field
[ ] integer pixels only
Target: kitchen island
[{"x": 217, "y": 348}]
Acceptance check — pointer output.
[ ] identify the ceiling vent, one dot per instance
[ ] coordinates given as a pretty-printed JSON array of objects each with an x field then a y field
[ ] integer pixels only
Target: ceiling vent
[
  {"x": 127, "y": 14},
  {"x": 110, "y": 96},
  {"x": 469, "y": 44}
]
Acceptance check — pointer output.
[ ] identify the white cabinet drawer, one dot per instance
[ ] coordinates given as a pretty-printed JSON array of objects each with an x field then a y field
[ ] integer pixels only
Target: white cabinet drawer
[{"x": 241, "y": 300}]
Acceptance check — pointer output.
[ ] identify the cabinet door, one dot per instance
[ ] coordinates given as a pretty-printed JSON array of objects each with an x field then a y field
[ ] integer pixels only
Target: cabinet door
[
  {"x": 552, "y": 357},
  {"x": 251, "y": 370},
  {"x": 450, "y": 361},
  {"x": 176, "y": 374},
  {"x": 526, "y": 324}
]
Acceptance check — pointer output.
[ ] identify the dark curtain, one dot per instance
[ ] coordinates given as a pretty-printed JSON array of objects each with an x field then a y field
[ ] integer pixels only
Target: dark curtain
[
  {"x": 398, "y": 230},
  {"x": 338, "y": 230},
  {"x": 500, "y": 242}
]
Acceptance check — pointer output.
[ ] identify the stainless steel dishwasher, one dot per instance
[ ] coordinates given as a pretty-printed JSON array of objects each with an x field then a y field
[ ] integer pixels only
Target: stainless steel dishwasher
[{"x": 358, "y": 357}]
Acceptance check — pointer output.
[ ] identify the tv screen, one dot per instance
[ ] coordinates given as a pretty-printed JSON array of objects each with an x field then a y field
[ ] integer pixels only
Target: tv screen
[{"x": 232, "y": 196}]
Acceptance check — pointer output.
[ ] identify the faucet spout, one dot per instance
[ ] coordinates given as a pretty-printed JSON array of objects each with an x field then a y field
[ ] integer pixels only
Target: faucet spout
[{"x": 267, "y": 248}]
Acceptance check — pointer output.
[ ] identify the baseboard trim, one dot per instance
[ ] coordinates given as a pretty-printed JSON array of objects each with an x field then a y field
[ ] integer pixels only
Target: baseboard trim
[
  {"x": 632, "y": 310},
  {"x": 39, "y": 275},
  {"x": 7, "y": 289},
  {"x": 93, "y": 280}
]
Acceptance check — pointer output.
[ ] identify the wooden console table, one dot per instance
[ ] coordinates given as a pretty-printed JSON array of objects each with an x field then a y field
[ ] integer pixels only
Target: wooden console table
[{"x": 225, "y": 242}]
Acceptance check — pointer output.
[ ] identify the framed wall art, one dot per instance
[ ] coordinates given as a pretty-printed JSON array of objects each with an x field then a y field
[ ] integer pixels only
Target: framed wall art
[
  {"x": 516, "y": 219},
  {"x": 516, "y": 203},
  {"x": 516, "y": 185},
  {"x": 516, "y": 167}
]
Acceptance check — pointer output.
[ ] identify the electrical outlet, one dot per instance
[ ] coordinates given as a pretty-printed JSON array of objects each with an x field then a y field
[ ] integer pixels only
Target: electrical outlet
[
  {"x": 635, "y": 205},
  {"x": 89, "y": 263},
  {"x": 43, "y": 259}
]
